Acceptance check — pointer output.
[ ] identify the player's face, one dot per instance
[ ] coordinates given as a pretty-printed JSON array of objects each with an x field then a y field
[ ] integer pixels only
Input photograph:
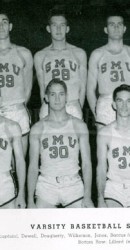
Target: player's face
[
  {"x": 122, "y": 103},
  {"x": 5, "y": 27},
  {"x": 57, "y": 97},
  {"x": 58, "y": 28},
  {"x": 115, "y": 28}
]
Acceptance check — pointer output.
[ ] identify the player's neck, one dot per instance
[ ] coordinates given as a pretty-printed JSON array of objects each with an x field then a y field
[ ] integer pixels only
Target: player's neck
[
  {"x": 115, "y": 46},
  {"x": 57, "y": 116},
  {"x": 123, "y": 123},
  {"x": 5, "y": 44},
  {"x": 59, "y": 45}
]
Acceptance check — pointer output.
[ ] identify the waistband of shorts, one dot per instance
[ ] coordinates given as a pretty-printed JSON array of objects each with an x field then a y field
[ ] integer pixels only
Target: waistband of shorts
[
  {"x": 72, "y": 102},
  {"x": 13, "y": 107},
  {"x": 105, "y": 96},
  {"x": 61, "y": 178}
]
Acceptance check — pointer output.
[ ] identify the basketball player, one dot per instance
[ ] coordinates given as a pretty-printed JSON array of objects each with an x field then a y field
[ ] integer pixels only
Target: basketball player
[
  {"x": 63, "y": 61},
  {"x": 15, "y": 79},
  {"x": 58, "y": 138},
  {"x": 10, "y": 141},
  {"x": 113, "y": 179},
  {"x": 109, "y": 67}
]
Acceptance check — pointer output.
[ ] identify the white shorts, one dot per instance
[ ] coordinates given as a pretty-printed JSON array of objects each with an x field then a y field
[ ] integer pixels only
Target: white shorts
[
  {"x": 7, "y": 188},
  {"x": 119, "y": 192},
  {"x": 72, "y": 108},
  {"x": 19, "y": 115},
  {"x": 61, "y": 190},
  {"x": 105, "y": 114}
]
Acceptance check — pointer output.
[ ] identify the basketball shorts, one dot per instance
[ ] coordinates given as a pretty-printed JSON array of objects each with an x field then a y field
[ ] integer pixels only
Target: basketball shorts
[
  {"x": 105, "y": 114},
  {"x": 7, "y": 188},
  {"x": 60, "y": 190},
  {"x": 19, "y": 115},
  {"x": 120, "y": 192},
  {"x": 72, "y": 108}
]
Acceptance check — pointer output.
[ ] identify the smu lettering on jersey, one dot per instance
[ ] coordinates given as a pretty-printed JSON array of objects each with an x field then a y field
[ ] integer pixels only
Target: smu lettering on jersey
[
  {"x": 113, "y": 70},
  {"x": 59, "y": 150},
  {"x": 63, "y": 65},
  {"x": 119, "y": 157},
  {"x": 5, "y": 149},
  {"x": 11, "y": 77}
]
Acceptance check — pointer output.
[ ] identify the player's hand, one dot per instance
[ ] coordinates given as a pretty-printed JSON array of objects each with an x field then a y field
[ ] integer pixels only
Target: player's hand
[
  {"x": 31, "y": 204},
  {"x": 87, "y": 202},
  {"x": 20, "y": 202},
  {"x": 101, "y": 203}
]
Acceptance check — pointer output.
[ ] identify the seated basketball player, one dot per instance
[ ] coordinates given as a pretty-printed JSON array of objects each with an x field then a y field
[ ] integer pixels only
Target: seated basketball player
[
  {"x": 57, "y": 139},
  {"x": 11, "y": 143},
  {"x": 113, "y": 143}
]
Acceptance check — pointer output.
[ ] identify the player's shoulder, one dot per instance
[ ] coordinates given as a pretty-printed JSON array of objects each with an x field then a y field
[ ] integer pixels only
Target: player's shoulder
[
  {"x": 13, "y": 127},
  {"x": 127, "y": 49},
  {"x": 25, "y": 54},
  {"x": 79, "y": 125},
  {"x": 36, "y": 128},
  {"x": 22, "y": 49},
  {"x": 42, "y": 52},
  {"x": 98, "y": 52},
  {"x": 106, "y": 130},
  {"x": 75, "y": 48}
]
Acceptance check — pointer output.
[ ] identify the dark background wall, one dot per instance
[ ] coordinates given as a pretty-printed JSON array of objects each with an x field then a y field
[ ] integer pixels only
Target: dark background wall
[{"x": 87, "y": 19}]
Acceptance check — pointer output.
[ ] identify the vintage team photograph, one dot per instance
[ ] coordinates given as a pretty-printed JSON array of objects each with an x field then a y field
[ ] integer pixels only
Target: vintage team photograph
[{"x": 64, "y": 104}]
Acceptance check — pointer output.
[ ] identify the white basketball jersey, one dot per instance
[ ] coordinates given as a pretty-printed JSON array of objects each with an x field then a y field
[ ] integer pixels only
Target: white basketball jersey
[
  {"x": 5, "y": 149},
  {"x": 59, "y": 150},
  {"x": 11, "y": 77},
  {"x": 65, "y": 66},
  {"x": 119, "y": 157},
  {"x": 113, "y": 70}
]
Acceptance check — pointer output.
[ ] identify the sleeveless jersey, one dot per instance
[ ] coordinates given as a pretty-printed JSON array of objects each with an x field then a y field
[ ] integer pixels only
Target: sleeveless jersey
[
  {"x": 119, "y": 157},
  {"x": 5, "y": 149},
  {"x": 113, "y": 70},
  {"x": 65, "y": 66},
  {"x": 11, "y": 77},
  {"x": 59, "y": 150}
]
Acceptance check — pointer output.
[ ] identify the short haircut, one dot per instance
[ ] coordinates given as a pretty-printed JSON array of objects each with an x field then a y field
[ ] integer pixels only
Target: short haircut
[
  {"x": 122, "y": 87},
  {"x": 55, "y": 81},
  {"x": 57, "y": 11},
  {"x": 5, "y": 14},
  {"x": 115, "y": 11}
]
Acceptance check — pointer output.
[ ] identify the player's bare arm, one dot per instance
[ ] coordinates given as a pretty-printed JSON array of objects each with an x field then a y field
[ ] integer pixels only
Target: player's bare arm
[
  {"x": 38, "y": 60},
  {"x": 33, "y": 162},
  {"x": 82, "y": 57},
  {"x": 93, "y": 79},
  {"x": 83, "y": 134},
  {"x": 102, "y": 148},
  {"x": 28, "y": 71},
  {"x": 16, "y": 135}
]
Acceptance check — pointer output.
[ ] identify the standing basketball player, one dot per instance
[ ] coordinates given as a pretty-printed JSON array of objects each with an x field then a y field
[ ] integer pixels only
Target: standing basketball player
[
  {"x": 109, "y": 66},
  {"x": 15, "y": 79},
  {"x": 58, "y": 138},
  {"x": 113, "y": 179},
  {"x": 63, "y": 61},
  {"x": 10, "y": 141}
]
